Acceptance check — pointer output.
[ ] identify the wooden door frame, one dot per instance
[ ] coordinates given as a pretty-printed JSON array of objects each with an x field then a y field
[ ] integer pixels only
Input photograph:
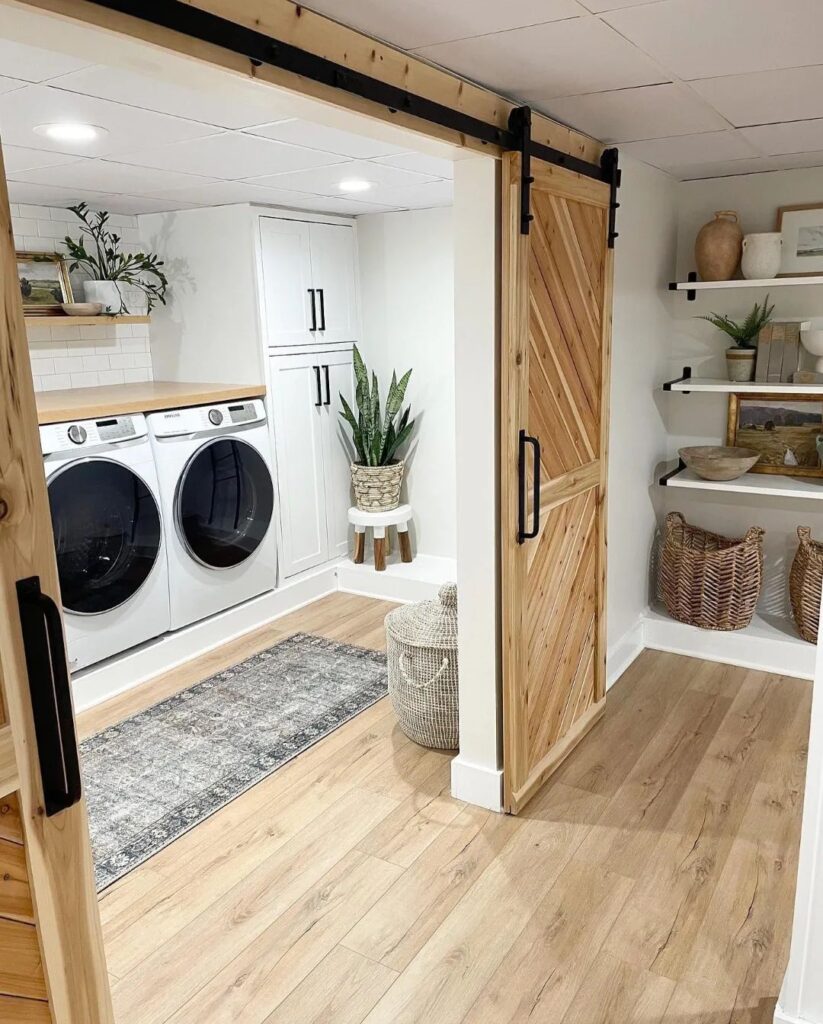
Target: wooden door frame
[{"x": 514, "y": 390}]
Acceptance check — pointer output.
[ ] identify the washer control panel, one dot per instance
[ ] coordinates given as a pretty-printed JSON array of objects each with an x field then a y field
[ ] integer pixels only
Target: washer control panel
[
  {"x": 207, "y": 418},
  {"x": 84, "y": 434}
]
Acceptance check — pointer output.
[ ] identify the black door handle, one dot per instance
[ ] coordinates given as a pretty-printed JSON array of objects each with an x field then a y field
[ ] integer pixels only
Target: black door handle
[
  {"x": 319, "y": 399},
  {"x": 328, "y": 388},
  {"x": 322, "y": 309},
  {"x": 50, "y": 690},
  {"x": 313, "y": 311},
  {"x": 522, "y": 532}
]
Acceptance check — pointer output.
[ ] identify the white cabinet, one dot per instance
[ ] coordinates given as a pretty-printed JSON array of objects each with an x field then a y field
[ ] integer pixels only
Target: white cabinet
[
  {"x": 309, "y": 282},
  {"x": 312, "y": 459}
]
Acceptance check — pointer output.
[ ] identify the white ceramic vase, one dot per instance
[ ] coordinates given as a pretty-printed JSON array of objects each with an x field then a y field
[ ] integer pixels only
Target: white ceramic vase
[
  {"x": 761, "y": 255},
  {"x": 107, "y": 292}
]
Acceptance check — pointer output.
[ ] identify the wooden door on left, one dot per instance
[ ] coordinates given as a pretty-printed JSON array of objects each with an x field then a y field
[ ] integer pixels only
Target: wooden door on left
[{"x": 52, "y": 964}]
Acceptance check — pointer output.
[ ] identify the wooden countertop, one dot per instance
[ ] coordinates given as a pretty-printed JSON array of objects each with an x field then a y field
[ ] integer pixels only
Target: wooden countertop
[{"x": 121, "y": 399}]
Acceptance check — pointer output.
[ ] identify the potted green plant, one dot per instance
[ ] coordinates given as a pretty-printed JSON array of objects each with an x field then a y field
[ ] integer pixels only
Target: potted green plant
[
  {"x": 109, "y": 269},
  {"x": 377, "y": 435},
  {"x": 740, "y": 358}
]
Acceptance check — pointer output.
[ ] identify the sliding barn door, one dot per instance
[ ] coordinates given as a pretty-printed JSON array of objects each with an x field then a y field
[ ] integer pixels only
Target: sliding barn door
[
  {"x": 554, "y": 431},
  {"x": 52, "y": 967}
]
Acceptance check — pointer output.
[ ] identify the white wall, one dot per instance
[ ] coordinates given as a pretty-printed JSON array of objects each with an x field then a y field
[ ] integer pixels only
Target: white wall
[
  {"x": 407, "y": 312},
  {"x": 644, "y": 258},
  {"x": 67, "y": 355}
]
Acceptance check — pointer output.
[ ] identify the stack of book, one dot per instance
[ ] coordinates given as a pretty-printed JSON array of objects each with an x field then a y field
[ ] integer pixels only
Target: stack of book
[{"x": 778, "y": 353}]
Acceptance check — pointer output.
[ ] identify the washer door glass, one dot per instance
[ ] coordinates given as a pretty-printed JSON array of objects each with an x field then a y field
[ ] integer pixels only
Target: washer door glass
[
  {"x": 106, "y": 532},
  {"x": 225, "y": 501}
]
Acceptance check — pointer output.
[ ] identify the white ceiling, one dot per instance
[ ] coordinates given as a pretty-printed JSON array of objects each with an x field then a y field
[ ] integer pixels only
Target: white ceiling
[
  {"x": 180, "y": 135},
  {"x": 699, "y": 88}
]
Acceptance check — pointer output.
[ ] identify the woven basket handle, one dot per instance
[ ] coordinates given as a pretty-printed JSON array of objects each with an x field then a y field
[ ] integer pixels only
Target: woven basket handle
[
  {"x": 754, "y": 533},
  {"x": 434, "y": 678},
  {"x": 804, "y": 535}
]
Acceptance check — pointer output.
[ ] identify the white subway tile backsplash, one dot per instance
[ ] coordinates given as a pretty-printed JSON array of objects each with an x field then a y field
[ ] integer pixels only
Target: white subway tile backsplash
[
  {"x": 121, "y": 361},
  {"x": 135, "y": 376},
  {"x": 111, "y": 377},
  {"x": 88, "y": 379},
  {"x": 68, "y": 364},
  {"x": 95, "y": 362},
  {"x": 39, "y": 367},
  {"x": 56, "y": 383}
]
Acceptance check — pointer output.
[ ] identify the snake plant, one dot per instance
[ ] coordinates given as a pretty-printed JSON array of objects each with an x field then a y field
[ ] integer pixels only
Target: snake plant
[{"x": 377, "y": 435}]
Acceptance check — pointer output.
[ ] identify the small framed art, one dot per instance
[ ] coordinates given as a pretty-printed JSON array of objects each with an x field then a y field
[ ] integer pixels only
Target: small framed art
[
  {"x": 801, "y": 229},
  {"x": 786, "y": 431},
  {"x": 44, "y": 283}
]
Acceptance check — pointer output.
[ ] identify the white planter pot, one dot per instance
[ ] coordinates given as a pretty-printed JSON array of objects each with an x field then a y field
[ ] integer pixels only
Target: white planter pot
[
  {"x": 761, "y": 255},
  {"x": 107, "y": 292},
  {"x": 740, "y": 363}
]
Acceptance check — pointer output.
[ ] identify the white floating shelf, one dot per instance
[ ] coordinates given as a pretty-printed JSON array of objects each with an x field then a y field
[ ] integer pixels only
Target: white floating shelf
[
  {"x": 751, "y": 483},
  {"x": 774, "y": 282},
  {"x": 720, "y": 385}
]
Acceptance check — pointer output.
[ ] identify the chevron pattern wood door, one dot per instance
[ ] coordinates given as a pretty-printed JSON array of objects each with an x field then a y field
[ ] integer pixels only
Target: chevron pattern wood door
[{"x": 555, "y": 377}]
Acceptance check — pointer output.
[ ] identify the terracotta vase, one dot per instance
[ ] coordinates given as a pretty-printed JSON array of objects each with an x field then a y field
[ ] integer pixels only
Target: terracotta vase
[{"x": 718, "y": 247}]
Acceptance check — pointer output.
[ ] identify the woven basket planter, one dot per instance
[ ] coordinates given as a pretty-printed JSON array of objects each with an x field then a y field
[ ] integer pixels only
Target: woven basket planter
[
  {"x": 805, "y": 582},
  {"x": 707, "y": 580},
  {"x": 377, "y": 488},
  {"x": 421, "y": 651}
]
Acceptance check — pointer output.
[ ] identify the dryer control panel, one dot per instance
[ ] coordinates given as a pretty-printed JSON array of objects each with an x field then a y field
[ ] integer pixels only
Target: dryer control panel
[
  {"x": 84, "y": 434},
  {"x": 212, "y": 419}
]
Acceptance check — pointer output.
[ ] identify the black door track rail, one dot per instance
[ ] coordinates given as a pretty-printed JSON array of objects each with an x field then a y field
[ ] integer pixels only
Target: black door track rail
[{"x": 260, "y": 49}]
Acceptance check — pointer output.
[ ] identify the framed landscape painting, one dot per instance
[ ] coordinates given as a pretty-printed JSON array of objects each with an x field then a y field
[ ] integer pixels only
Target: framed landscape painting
[
  {"x": 801, "y": 228},
  {"x": 44, "y": 283},
  {"x": 786, "y": 431}
]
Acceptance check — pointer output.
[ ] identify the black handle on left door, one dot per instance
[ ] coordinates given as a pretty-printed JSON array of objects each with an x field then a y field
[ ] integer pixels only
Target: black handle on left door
[
  {"x": 50, "y": 689},
  {"x": 313, "y": 311},
  {"x": 319, "y": 399},
  {"x": 522, "y": 511},
  {"x": 328, "y": 387},
  {"x": 322, "y": 309}
]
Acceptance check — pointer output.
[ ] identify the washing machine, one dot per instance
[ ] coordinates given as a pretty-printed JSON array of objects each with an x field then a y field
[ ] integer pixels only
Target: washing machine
[
  {"x": 217, "y": 499},
  {"x": 108, "y": 535}
]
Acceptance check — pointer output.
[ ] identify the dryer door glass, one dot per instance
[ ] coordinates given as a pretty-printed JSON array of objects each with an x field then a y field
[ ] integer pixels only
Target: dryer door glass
[
  {"x": 106, "y": 533},
  {"x": 224, "y": 504}
]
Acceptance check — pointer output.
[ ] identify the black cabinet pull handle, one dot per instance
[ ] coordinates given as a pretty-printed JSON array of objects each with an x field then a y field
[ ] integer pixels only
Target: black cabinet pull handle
[
  {"x": 328, "y": 388},
  {"x": 319, "y": 399},
  {"x": 313, "y": 311},
  {"x": 522, "y": 532},
  {"x": 322, "y": 309},
  {"x": 50, "y": 690}
]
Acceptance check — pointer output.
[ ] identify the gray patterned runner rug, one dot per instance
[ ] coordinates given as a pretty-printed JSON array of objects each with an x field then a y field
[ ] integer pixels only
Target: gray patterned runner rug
[{"x": 154, "y": 776}]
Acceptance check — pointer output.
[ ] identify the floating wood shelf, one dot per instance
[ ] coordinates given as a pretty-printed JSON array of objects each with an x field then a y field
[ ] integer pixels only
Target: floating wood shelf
[
  {"x": 686, "y": 384},
  {"x": 750, "y": 483},
  {"x": 83, "y": 321}
]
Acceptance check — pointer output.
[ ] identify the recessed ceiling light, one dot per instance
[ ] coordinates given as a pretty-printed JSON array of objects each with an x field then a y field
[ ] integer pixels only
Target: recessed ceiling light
[
  {"x": 354, "y": 185},
  {"x": 70, "y": 131}
]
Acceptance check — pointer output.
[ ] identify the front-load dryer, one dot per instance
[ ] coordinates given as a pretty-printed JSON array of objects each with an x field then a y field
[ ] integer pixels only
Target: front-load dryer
[
  {"x": 108, "y": 535},
  {"x": 217, "y": 496}
]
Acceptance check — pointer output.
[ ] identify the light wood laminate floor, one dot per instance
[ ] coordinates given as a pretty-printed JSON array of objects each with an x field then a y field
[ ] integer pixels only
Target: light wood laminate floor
[{"x": 651, "y": 880}]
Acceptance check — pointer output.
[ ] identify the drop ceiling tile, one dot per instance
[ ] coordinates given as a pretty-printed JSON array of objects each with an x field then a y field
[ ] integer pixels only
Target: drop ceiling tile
[
  {"x": 705, "y": 38},
  {"x": 225, "y": 193},
  {"x": 765, "y": 97},
  {"x": 649, "y": 112},
  {"x": 431, "y": 21},
  {"x": 420, "y": 162},
  {"x": 110, "y": 177},
  {"x": 33, "y": 64},
  {"x": 331, "y": 204},
  {"x": 673, "y": 154},
  {"x": 210, "y": 98},
  {"x": 791, "y": 137},
  {"x": 131, "y": 206},
  {"x": 730, "y": 168},
  {"x": 564, "y": 58},
  {"x": 230, "y": 155},
  {"x": 51, "y": 195},
  {"x": 18, "y": 158},
  {"x": 416, "y": 197},
  {"x": 601, "y": 6},
  {"x": 330, "y": 140},
  {"x": 10, "y": 84},
  {"x": 23, "y": 109},
  {"x": 326, "y": 180}
]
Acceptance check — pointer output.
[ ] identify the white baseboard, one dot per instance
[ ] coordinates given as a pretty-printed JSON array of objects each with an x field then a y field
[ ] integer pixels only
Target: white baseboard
[
  {"x": 477, "y": 785},
  {"x": 403, "y": 582},
  {"x": 620, "y": 655},
  {"x": 782, "y": 1017},
  {"x": 110, "y": 678}
]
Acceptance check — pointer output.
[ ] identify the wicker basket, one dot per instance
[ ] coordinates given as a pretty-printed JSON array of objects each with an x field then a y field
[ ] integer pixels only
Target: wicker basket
[
  {"x": 707, "y": 580},
  {"x": 421, "y": 647},
  {"x": 805, "y": 582},
  {"x": 377, "y": 488}
]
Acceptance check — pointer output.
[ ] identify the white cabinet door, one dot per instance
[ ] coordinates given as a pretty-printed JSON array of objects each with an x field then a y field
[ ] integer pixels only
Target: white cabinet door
[
  {"x": 334, "y": 276},
  {"x": 338, "y": 378},
  {"x": 297, "y": 395},
  {"x": 288, "y": 297}
]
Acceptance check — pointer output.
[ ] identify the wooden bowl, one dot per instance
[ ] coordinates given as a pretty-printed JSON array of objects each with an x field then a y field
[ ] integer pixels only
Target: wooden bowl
[
  {"x": 713, "y": 462},
  {"x": 82, "y": 308}
]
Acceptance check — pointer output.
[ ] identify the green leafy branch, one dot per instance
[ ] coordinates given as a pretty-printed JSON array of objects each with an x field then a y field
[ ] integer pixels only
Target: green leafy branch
[
  {"x": 743, "y": 333},
  {"x": 377, "y": 437}
]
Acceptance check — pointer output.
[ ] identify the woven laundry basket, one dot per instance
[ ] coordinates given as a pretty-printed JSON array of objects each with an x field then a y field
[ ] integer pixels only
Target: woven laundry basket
[
  {"x": 805, "y": 581},
  {"x": 421, "y": 648}
]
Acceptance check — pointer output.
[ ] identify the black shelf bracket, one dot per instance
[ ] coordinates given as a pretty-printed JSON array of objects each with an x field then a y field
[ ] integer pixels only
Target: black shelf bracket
[
  {"x": 612, "y": 174},
  {"x": 520, "y": 125},
  {"x": 664, "y": 480},
  {"x": 687, "y": 375},
  {"x": 691, "y": 294}
]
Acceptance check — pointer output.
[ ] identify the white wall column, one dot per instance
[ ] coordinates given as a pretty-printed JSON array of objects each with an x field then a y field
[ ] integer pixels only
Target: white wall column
[
  {"x": 801, "y": 997},
  {"x": 476, "y": 771}
]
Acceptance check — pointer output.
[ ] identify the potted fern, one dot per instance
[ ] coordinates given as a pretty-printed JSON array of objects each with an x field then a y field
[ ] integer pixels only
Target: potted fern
[
  {"x": 109, "y": 269},
  {"x": 740, "y": 358},
  {"x": 377, "y": 436}
]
